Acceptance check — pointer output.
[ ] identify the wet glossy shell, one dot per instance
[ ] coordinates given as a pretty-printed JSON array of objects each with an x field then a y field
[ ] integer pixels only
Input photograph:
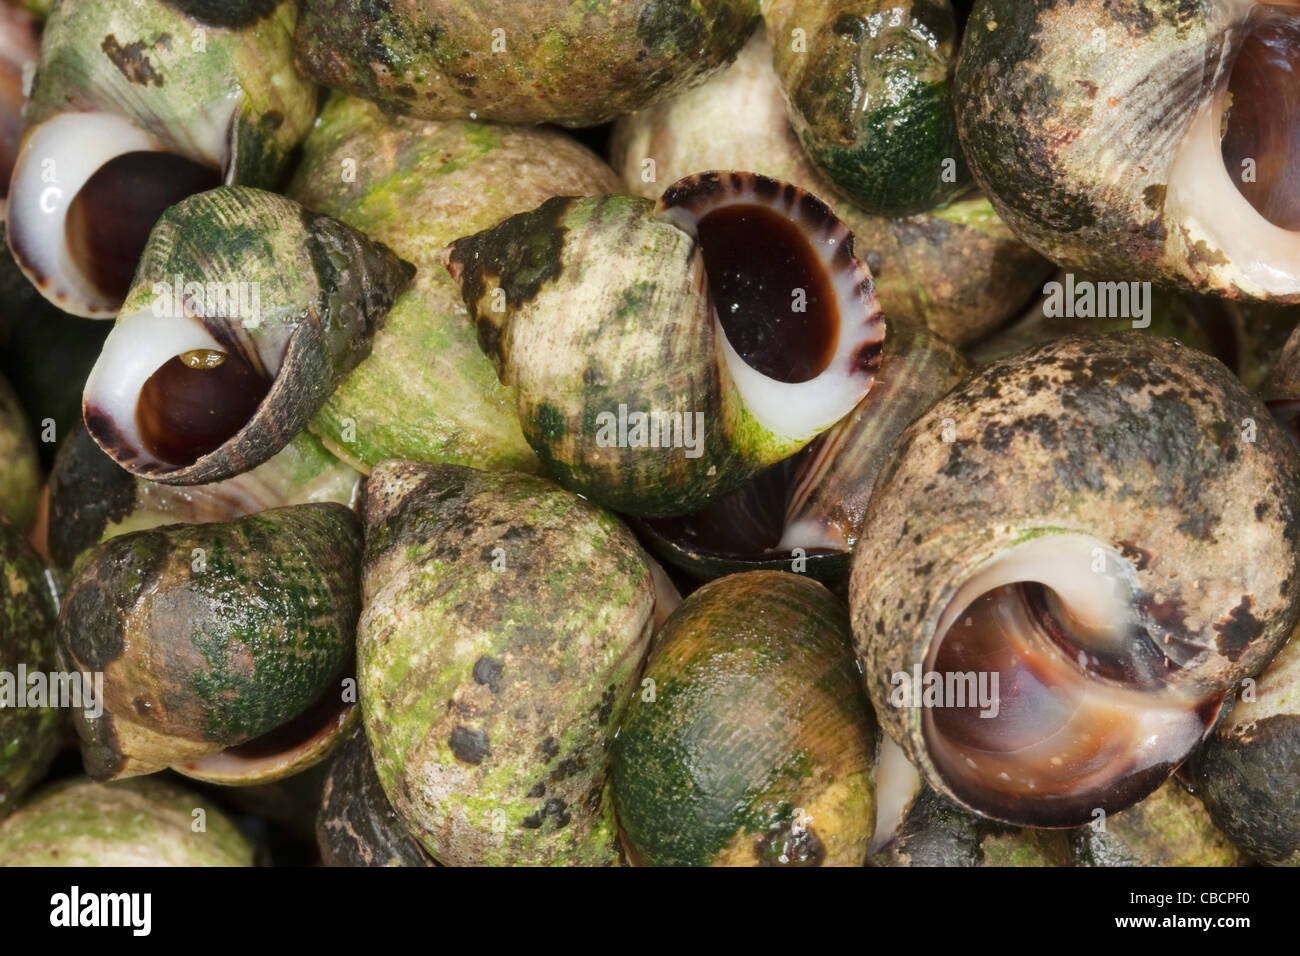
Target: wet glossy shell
[
  {"x": 29, "y": 736},
  {"x": 868, "y": 86},
  {"x": 92, "y": 499},
  {"x": 1074, "y": 116},
  {"x": 322, "y": 291},
  {"x": 504, "y": 621},
  {"x": 427, "y": 393},
  {"x": 750, "y": 742},
  {"x": 356, "y": 825},
  {"x": 20, "y": 475},
  {"x": 939, "y": 833},
  {"x": 127, "y": 823},
  {"x": 210, "y": 635},
  {"x": 1138, "y": 442},
  {"x": 1168, "y": 828},
  {"x": 540, "y": 61},
  {"x": 958, "y": 269},
  {"x": 1248, "y": 772}
]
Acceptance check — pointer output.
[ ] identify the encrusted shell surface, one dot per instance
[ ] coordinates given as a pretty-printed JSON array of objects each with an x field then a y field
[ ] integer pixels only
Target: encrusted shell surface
[
  {"x": 959, "y": 269},
  {"x": 427, "y": 393},
  {"x": 211, "y": 635},
  {"x": 504, "y": 622},
  {"x": 126, "y": 823},
  {"x": 543, "y": 61},
  {"x": 1123, "y": 449},
  {"x": 20, "y": 474},
  {"x": 751, "y": 742}
]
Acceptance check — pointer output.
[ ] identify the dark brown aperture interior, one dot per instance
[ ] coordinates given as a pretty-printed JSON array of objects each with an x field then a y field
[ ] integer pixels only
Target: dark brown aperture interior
[
  {"x": 110, "y": 219},
  {"x": 773, "y": 293},
  {"x": 1042, "y": 730},
  {"x": 183, "y": 413},
  {"x": 1262, "y": 121}
]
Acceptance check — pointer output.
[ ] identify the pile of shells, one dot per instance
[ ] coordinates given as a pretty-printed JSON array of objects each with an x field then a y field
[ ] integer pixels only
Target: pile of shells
[{"x": 781, "y": 433}]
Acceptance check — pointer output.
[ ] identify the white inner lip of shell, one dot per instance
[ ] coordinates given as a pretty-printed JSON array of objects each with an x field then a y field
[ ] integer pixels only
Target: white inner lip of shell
[
  {"x": 77, "y": 145},
  {"x": 799, "y": 410},
  {"x": 138, "y": 346},
  {"x": 1202, "y": 198},
  {"x": 1161, "y": 727}
]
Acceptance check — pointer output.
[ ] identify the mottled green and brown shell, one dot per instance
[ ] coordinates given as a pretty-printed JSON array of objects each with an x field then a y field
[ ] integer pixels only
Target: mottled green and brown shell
[
  {"x": 539, "y": 61},
  {"x": 212, "y": 635},
  {"x": 93, "y": 499},
  {"x": 126, "y": 823},
  {"x": 356, "y": 825},
  {"x": 938, "y": 833},
  {"x": 958, "y": 269},
  {"x": 427, "y": 393},
  {"x": 134, "y": 106},
  {"x": 1122, "y": 511},
  {"x": 751, "y": 742},
  {"x": 868, "y": 86},
  {"x": 1248, "y": 772},
  {"x": 29, "y": 735},
  {"x": 504, "y": 622},
  {"x": 20, "y": 474},
  {"x": 643, "y": 383},
  {"x": 1168, "y": 828},
  {"x": 245, "y": 314},
  {"x": 1145, "y": 140}
]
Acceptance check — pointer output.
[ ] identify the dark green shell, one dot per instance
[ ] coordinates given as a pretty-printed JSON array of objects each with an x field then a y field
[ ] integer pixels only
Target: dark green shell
[
  {"x": 868, "y": 86},
  {"x": 356, "y": 825},
  {"x": 750, "y": 741},
  {"x": 211, "y": 635},
  {"x": 29, "y": 736},
  {"x": 937, "y": 833},
  {"x": 556, "y": 61},
  {"x": 20, "y": 475},
  {"x": 504, "y": 622}
]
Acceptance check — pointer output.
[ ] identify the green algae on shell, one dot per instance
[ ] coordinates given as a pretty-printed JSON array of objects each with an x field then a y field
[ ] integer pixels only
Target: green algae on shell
[
  {"x": 20, "y": 472},
  {"x": 1168, "y": 828},
  {"x": 29, "y": 735},
  {"x": 427, "y": 392},
  {"x": 125, "y": 823},
  {"x": 752, "y": 742},
  {"x": 868, "y": 86},
  {"x": 664, "y": 354},
  {"x": 959, "y": 269},
  {"x": 806, "y": 513},
  {"x": 1145, "y": 140},
  {"x": 217, "y": 642},
  {"x": 135, "y": 106},
  {"x": 504, "y": 622},
  {"x": 356, "y": 825},
  {"x": 939, "y": 833},
  {"x": 1107, "y": 521},
  {"x": 1248, "y": 772},
  {"x": 245, "y": 314},
  {"x": 92, "y": 499},
  {"x": 539, "y": 61}
]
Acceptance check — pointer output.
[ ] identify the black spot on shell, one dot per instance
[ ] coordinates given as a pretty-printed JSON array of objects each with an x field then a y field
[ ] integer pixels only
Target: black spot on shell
[
  {"x": 788, "y": 846},
  {"x": 555, "y": 808},
  {"x": 488, "y": 670},
  {"x": 549, "y": 749},
  {"x": 131, "y": 61},
  {"x": 1238, "y": 630},
  {"x": 538, "y": 790},
  {"x": 469, "y": 746}
]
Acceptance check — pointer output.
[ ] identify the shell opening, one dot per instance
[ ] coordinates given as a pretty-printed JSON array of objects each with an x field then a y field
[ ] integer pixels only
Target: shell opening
[
  {"x": 1261, "y": 115},
  {"x": 1053, "y": 702},
  {"x": 795, "y": 311},
  {"x": 154, "y": 412},
  {"x": 86, "y": 191},
  {"x": 109, "y": 220}
]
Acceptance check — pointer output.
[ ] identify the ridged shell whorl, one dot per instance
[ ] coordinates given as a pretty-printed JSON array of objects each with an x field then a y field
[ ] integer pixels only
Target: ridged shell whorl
[
  {"x": 664, "y": 354},
  {"x": 1153, "y": 140},
  {"x": 136, "y": 105},
  {"x": 246, "y": 312},
  {"x": 1105, "y": 525}
]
